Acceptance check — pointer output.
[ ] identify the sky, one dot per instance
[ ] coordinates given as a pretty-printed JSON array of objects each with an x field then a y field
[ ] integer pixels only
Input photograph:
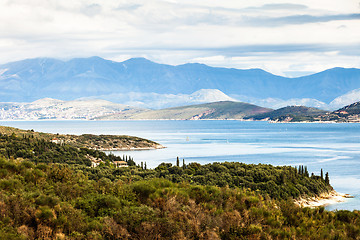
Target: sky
[{"x": 289, "y": 38}]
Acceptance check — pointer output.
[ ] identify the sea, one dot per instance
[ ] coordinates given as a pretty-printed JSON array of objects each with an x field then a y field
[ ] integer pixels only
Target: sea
[{"x": 334, "y": 147}]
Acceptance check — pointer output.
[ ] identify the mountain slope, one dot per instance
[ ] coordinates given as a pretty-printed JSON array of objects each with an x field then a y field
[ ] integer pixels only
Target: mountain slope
[
  {"x": 351, "y": 109},
  {"x": 289, "y": 112},
  {"x": 32, "y": 79},
  {"x": 217, "y": 110},
  {"x": 329, "y": 84}
]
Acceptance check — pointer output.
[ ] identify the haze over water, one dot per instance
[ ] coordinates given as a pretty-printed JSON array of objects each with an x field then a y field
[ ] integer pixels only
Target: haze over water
[{"x": 333, "y": 147}]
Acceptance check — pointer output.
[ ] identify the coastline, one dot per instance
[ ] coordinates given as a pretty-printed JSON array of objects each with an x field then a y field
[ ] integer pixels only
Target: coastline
[
  {"x": 131, "y": 148},
  {"x": 323, "y": 200}
]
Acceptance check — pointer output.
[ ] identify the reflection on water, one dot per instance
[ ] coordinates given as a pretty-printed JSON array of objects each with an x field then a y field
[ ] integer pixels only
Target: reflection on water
[{"x": 333, "y": 147}]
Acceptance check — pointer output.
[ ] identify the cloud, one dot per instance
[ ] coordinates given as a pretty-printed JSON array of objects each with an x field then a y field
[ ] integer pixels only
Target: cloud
[
  {"x": 297, "y": 19},
  {"x": 280, "y": 36},
  {"x": 91, "y": 10},
  {"x": 128, "y": 6},
  {"x": 281, "y": 6},
  {"x": 219, "y": 53}
]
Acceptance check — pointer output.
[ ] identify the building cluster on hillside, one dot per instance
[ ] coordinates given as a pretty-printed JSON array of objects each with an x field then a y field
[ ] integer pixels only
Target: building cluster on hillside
[{"x": 95, "y": 162}]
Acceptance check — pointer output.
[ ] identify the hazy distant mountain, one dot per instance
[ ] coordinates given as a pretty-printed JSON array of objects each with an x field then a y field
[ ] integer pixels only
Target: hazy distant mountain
[
  {"x": 159, "y": 101},
  {"x": 216, "y": 110},
  {"x": 49, "y": 108},
  {"x": 346, "y": 99},
  {"x": 276, "y": 103},
  {"x": 32, "y": 79},
  {"x": 290, "y": 111}
]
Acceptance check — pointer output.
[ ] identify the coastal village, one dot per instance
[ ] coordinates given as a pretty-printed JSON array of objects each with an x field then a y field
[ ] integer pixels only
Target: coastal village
[{"x": 95, "y": 162}]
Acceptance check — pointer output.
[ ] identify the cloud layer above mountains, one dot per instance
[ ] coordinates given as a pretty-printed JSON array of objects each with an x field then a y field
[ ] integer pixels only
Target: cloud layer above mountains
[{"x": 284, "y": 37}]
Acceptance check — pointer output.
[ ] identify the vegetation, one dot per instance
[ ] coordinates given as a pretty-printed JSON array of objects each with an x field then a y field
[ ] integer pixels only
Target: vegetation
[
  {"x": 42, "y": 151},
  {"x": 99, "y": 142},
  {"x": 349, "y": 113},
  {"x": 290, "y": 113},
  {"x": 48, "y": 191}
]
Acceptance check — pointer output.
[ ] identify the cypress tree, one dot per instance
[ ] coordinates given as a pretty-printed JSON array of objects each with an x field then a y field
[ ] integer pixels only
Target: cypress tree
[
  {"x": 322, "y": 175},
  {"x": 327, "y": 180},
  {"x": 145, "y": 166},
  {"x": 142, "y": 165},
  {"x": 184, "y": 166},
  {"x": 177, "y": 162}
]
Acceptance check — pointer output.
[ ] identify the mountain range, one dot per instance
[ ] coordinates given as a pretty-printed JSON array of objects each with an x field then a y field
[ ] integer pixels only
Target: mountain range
[
  {"x": 141, "y": 80},
  {"x": 95, "y": 109}
]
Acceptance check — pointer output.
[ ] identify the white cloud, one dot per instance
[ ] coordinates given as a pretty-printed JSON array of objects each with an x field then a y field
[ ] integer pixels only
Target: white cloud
[{"x": 183, "y": 31}]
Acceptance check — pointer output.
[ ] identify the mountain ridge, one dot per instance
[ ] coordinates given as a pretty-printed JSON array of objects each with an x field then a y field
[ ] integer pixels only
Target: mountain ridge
[
  {"x": 290, "y": 113},
  {"x": 32, "y": 79},
  {"x": 217, "y": 110}
]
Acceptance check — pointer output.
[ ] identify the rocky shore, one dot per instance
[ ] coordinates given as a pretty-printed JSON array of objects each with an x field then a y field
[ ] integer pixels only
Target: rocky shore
[
  {"x": 158, "y": 146},
  {"x": 323, "y": 200}
]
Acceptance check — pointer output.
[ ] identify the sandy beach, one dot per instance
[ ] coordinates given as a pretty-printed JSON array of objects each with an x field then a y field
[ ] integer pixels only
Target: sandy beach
[{"x": 323, "y": 200}]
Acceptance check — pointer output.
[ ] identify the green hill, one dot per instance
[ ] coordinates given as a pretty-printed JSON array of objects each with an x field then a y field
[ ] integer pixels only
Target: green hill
[
  {"x": 350, "y": 109},
  {"x": 98, "y": 142},
  {"x": 349, "y": 113},
  {"x": 216, "y": 110},
  {"x": 291, "y": 114},
  {"x": 48, "y": 191}
]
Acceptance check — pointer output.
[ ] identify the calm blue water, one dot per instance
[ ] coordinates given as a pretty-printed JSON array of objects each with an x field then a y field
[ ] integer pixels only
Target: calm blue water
[{"x": 333, "y": 147}]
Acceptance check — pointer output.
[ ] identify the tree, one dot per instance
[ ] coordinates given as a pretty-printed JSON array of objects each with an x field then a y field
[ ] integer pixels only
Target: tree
[
  {"x": 184, "y": 166},
  {"x": 177, "y": 162},
  {"x": 322, "y": 174},
  {"x": 327, "y": 180},
  {"x": 306, "y": 171}
]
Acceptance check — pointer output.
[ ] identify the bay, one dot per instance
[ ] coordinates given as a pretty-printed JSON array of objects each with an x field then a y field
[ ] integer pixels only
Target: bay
[{"x": 333, "y": 147}]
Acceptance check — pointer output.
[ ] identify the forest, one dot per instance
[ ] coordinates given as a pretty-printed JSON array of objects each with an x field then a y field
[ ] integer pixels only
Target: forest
[{"x": 49, "y": 191}]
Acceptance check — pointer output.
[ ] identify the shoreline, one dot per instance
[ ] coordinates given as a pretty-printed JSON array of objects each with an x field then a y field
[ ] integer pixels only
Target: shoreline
[
  {"x": 131, "y": 149},
  {"x": 323, "y": 200},
  {"x": 114, "y": 120}
]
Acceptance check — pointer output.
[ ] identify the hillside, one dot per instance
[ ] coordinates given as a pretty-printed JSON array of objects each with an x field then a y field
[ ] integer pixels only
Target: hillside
[
  {"x": 33, "y": 79},
  {"x": 291, "y": 114},
  {"x": 217, "y": 110},
  {"x": 349, "y": 113},
  {"x": 49, "y": 191},
  {"x": 98, "y": 142},
  {"x": 351, "y": 109}
]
